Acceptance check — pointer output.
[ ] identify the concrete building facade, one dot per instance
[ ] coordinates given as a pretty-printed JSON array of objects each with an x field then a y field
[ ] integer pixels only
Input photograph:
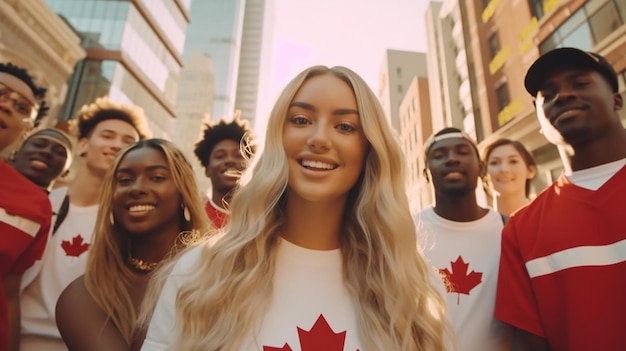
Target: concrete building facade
[
  {"x": 34, "y": 37},
  {"x": 499, "y": 49},
  {"x": 415, "y": 127},
  {"x": 450, "y": 99},
  {"x": 396, "y": 74}
]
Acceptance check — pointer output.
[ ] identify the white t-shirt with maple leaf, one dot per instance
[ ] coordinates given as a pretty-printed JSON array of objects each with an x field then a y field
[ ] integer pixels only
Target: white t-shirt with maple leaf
[
  {"x": 309, "y": 310},
  {"x": 64, "y": 260},
  {"x": 468, "y": 255}
]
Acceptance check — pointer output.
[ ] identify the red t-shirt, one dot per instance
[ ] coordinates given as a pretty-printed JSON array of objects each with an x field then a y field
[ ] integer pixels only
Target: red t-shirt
[
  {"x": 217, "y": 215},
  {"x": 25, "y": 215},
  {"x": 563, "y": 267}
]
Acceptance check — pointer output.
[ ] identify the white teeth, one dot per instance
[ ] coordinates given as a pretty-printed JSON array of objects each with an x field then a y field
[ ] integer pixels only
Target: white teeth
[
  {"x": 232, "y": 173},
  {"x": 317, "y": 164},
  {"x": 140, "y": 208}
]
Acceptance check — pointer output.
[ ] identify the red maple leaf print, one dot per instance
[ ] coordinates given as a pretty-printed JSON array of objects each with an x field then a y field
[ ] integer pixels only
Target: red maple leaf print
[
  {"x": 458, "y": 281},
  {"x": 320, "y": 337},
  {"x": 76, "y": 247},
  {"x": 284, "y": 348}
]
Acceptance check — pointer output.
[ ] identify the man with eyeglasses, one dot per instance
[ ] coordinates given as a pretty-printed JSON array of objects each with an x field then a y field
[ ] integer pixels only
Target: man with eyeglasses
[
  {"x": 21, "y": 103},
  {"x": 25, "y": 211}
]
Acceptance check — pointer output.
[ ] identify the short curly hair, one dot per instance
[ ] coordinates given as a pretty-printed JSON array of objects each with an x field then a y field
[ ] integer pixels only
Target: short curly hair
[
  {"x": 237, "y": 130},
  {"x": 102, "y": 109},
  {"x": 39, "y": 92}
]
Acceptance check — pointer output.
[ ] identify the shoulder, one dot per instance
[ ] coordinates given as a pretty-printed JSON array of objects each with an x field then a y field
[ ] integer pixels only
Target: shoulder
[
  {"x": 74, "y": 297},
  {"x": 184, "y": 267},
  {"x": 93, "y": 329},
  {"x": 188, "y": 260},
  {"x": 531, "y": 209}
]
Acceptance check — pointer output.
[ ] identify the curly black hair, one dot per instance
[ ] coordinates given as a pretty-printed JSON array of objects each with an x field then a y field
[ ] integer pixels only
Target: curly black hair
[
  {"x": 39, "y": 92},
  {"x": 237, "y": 130}
]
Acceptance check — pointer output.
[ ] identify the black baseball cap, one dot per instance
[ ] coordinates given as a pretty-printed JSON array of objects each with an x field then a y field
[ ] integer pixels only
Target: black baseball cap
[{"x": 540, "y": 69}]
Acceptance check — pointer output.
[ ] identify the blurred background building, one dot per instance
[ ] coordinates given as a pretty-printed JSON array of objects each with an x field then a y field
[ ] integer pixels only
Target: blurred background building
[
  {"x": 478, "y": 55},
  {"x": 134, "y": 54},
  {"x": 33, "y": 37},
  {"x": 223, "y": 54}
]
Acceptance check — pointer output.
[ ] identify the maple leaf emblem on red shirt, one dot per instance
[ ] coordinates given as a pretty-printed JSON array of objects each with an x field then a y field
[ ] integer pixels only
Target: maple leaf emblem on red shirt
[
  {"x": 320, "y": 337},
  {"x": 76, "y": 247},
  {"x": 458, "y": 281}
]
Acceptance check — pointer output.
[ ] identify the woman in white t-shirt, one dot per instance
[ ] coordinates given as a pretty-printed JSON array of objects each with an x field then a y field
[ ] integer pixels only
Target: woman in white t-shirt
[
  {"x": 149, "y": 210},
  {"x": 320, "y": 251}
]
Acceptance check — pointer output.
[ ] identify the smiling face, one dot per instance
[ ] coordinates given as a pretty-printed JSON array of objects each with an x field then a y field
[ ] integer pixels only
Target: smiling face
[
  {"x": 225, "y": 165},
  {"x": 42, "y": 158},
  {"x": 145, "y": 197},
  {"x": 507, "y": 171},
  {"x": 323, "y": 140},
  {"x": 17, "y": 103},
  {"x": 454, "y": 167},
  {"x": 576, "y": 106},
  {"x": 105, "y": 141}
]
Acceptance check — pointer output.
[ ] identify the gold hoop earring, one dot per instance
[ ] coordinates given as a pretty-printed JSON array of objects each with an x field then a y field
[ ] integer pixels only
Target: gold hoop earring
[
  {"x": 112, "y": 218},
  {"x": 186, "y": 213}
]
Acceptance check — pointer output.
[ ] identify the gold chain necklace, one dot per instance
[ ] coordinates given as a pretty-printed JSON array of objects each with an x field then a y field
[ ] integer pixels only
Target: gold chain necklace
[{"x": 142, "y": 265}]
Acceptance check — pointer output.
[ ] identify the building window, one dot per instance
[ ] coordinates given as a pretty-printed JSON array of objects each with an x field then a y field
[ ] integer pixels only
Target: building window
[
  {"x": 503, "y": 96},
  {"x": 604, "y": 22},
  {"x": 494, "y": 45},
  {"x": 399, "y": 71},
  {"x": 588, "y": 26}
]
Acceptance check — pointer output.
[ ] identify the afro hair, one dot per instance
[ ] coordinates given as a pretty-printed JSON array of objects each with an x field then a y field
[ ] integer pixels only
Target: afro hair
[{"x": 237, "y": 130}]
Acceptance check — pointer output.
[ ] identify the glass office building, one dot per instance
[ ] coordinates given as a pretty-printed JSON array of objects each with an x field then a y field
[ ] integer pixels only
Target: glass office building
[{"x": 134, "y": 54}]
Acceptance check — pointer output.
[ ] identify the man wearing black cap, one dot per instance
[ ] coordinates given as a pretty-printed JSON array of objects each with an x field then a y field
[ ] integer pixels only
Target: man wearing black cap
[{"x": 563, "y": 265}]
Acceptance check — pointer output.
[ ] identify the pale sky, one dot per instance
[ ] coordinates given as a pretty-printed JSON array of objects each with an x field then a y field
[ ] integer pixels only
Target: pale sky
[{"x": 351, "y": 33}]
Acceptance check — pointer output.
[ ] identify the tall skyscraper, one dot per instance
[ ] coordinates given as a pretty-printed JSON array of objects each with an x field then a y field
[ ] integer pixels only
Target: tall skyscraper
[
  {"x": 215, "y": 31},
  {"x": 448, "y": 74},
  {"x": 196, "y": 91},
  {"x": 232, "y": 34},
  {"x": 396, "y": 73},
  {"x": 415, "y": 128},
  {"x": 134, "y": 54}
]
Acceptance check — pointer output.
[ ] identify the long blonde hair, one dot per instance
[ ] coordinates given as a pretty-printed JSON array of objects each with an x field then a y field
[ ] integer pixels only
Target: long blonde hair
[
  {"x": 398, "y": 308},
  {"x": 107, "y": 257}
]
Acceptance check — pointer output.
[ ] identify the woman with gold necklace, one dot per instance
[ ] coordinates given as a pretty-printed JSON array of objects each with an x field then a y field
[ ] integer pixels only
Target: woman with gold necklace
[{"x": 149, "y": 210}]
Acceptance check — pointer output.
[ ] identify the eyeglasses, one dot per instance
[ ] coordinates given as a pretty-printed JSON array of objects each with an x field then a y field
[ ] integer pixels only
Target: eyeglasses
[{"x": 21, "y": 105}]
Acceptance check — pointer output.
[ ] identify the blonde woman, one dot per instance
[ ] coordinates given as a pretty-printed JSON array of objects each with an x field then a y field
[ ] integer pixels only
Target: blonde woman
[
  {"x": 148, "y": 199},
  {"x": 320, "y": 252}
]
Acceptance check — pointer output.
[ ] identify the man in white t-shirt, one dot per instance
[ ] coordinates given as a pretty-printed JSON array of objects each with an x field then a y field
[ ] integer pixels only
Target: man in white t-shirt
[
  {"x": 462, "y": 240},
  {"x": 103, "y": 129}
]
